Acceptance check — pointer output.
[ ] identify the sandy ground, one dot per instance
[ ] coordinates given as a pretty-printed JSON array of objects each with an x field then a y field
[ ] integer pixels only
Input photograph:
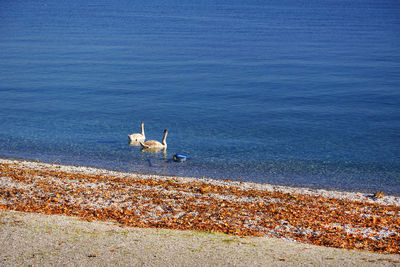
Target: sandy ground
[{"x": 31, "y": 239}]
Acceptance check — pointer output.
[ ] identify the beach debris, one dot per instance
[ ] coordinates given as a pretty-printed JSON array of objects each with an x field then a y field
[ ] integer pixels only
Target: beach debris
[
  {"x": 379, "y": 194},
  {"x": 189, "y": 204}
]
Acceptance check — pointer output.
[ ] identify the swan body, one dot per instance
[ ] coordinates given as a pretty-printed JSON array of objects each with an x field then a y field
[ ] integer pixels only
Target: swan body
[
  {"x": 138, "y": 137},
  {"x": 153, "y": 144}
]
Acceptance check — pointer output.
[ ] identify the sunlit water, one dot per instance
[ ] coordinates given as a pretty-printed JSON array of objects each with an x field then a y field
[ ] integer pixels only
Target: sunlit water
[{"x": 303, "y": 93}]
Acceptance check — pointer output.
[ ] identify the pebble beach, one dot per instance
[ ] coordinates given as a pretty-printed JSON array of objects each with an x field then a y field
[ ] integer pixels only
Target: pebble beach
[{"x": 343, "y": 220}]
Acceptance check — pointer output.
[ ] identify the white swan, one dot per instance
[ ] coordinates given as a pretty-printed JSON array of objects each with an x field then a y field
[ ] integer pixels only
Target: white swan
[
  {"x": 155, "y": 145},
  {"x": 138, "y": 137}
]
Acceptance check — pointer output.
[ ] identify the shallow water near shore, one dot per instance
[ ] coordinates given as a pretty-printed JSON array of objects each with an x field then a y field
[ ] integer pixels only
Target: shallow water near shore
[{"x": 300, "y": 93}]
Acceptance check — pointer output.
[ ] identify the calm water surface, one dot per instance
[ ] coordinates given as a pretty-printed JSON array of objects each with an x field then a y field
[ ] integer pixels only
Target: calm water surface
[{"x": 303, "y": 93}]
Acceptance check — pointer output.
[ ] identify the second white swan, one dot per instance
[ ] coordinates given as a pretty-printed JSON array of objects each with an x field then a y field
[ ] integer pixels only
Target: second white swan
[{"x": 153, "y": 144}]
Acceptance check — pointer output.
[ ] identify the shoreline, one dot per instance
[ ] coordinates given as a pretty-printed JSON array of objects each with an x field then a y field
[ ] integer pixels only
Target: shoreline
[
  {"x": 349, "y": 195},
  {"x": 167, "y": 167},
  {"x": 320, "y": 217}
]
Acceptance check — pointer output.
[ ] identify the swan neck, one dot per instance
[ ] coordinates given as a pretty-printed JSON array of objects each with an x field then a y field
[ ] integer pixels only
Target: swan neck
[
  {"x": 142, "y": 128},
  {"x": 164, "y": 140}
]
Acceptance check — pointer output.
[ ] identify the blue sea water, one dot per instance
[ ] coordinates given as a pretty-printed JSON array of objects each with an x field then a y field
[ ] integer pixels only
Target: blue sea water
[{"x": 289, "y": 92}]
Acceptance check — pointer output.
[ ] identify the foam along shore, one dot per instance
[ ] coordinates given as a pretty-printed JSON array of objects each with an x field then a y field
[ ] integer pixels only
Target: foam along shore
[{"x": 319, "y": 217}]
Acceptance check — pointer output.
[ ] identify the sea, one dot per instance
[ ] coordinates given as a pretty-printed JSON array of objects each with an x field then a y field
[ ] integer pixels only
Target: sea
[{"x": 301, "y": 93}]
